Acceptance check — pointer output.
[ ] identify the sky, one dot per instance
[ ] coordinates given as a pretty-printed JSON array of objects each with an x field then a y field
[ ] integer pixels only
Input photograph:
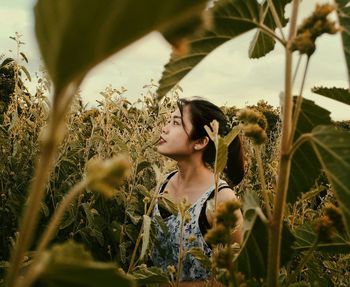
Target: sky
[{"x": 226, "y": 77}]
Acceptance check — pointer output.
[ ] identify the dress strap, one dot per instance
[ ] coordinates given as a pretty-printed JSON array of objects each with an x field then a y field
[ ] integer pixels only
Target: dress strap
[
  {"x": 203, "y": 221},
  {"x": 168, "y": 177},
  {"x": 163, "y": 212}
]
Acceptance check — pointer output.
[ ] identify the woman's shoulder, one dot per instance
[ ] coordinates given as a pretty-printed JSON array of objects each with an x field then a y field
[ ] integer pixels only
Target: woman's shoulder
[{"x": 226, "y": 192}]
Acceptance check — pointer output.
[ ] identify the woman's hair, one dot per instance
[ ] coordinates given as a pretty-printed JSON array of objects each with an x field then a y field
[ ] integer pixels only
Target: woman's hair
[{"x": 203, "y": 112}]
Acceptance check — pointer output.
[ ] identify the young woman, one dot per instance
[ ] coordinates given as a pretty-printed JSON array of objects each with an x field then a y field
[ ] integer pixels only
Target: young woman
[{"x": 185, "y": 140}]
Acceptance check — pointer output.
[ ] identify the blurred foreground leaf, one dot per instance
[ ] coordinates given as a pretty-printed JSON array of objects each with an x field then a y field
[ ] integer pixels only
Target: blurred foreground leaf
[
  {"x": 149, "y": 275},
  {"x": 69, "y": 265},
  {"x": 75, "y": 35}
]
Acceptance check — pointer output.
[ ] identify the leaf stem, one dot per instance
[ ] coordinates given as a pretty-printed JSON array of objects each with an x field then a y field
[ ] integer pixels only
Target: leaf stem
[
  {"x": 56, "y": 218},
  {"x": 271, "y": 33},
  {"x": 275, "y": 228},
  {"x": 298, "y": 142},
  {"x": 261, "y": 174},
  {"x": 296, "y": 69},
  {"x": 181, "y": 251},
  {"x": 299, "y": 101},
  {"x": 33, "y": 272},
  {"x": 276, "y": 18}
]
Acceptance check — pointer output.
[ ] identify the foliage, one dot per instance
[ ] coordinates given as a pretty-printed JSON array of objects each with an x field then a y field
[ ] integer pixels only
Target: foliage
[
  {"x": 107, "y": 227},
  {"x": 308, "y": 156}
]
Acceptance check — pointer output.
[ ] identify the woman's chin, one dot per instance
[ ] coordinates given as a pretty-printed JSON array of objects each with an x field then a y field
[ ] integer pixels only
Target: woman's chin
[{"x": 160, "y": 149}]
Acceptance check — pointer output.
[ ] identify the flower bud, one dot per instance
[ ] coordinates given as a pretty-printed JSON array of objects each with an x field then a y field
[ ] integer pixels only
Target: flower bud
[
  {"x": 146, "y": 199},
  {"x": 225, "y": 213},
  {"x": 256, "y": 133},
  {"x": 217, "y": 235},
  {"x": 192, "y": 238},
  {"x": 106, "y": 175},
  {"x": 171, "y": 269},
  {"x": 223, "y": 258}
]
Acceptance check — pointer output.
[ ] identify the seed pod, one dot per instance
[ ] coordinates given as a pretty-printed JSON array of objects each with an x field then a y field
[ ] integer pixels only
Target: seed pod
[{"x": 218, "y": 235}]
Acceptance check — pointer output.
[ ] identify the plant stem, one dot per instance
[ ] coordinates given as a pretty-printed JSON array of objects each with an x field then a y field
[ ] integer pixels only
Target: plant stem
[
  {"x": 181, "y": 251},
  {"x": 216, "y": 180},
  {"x": 37, "y": 189},
  {"x": 296, "y": 69},
  {"x": 138, "y": 240},
  {"x": 299, "y": 102},
  {"x": 261, "y": 174},
  {"x": 56, "y": 218},
  {"x": 275, "y": 228},
  {"x": 31, "y": 212},
  {"x": 276, "y": 18},
  {"x": 35, "y": 269},
  {"x": 270, "y": 32}
]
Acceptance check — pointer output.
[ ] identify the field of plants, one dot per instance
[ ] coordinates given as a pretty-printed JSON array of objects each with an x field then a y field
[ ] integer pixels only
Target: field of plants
[{"x": 78, "y": 184}]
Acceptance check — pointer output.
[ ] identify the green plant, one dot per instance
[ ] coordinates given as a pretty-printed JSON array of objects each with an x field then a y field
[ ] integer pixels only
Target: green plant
[
  {"x": 307, "y": 140},
  {"x": 307, "y": 144}
]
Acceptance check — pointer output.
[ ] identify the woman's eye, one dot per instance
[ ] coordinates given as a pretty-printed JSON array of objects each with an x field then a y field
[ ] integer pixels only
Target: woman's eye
[{"x": 176, "y": 123}]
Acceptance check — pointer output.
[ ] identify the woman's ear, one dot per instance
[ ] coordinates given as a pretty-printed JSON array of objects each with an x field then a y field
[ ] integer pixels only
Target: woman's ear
[{"x": 201, "y": 143}]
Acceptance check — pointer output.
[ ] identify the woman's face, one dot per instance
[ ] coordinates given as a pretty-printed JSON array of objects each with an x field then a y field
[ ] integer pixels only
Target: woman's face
[{"x": 174, "y": 139}]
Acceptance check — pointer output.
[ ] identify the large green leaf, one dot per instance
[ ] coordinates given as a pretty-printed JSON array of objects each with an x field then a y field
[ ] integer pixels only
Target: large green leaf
[
  {"x": 338, "y": 94},
  {"x": 252, "y": 258},
  {"x": 305, "y": 237},
  {"x": 344, "y": 19},
  {"x": 263, "y": 43},
  {"x": 75, "y": 35},
  {"x": 305, "y": 167},
  {"x": 332, "y": 148},
  {"x": 231, "y": 18},
  {"x": 69, "y": 265}
]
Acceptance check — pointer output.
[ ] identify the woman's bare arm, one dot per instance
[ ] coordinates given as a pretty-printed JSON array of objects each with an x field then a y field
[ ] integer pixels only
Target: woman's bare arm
[{"x": 227, "y": 194}]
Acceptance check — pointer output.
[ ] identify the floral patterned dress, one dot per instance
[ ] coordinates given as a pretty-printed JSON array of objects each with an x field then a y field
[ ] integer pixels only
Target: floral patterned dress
[{"x": 167, "y": 241}]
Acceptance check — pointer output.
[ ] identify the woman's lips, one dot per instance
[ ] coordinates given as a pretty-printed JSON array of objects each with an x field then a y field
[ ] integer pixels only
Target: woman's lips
[{"x": 161, "y": 141}]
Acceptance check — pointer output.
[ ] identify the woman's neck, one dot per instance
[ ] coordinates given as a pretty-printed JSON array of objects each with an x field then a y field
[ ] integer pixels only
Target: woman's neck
[{"x": 192, "y": 173}]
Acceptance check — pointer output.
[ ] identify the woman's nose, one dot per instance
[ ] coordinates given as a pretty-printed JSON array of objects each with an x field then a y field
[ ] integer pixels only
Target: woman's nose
[{"x": 165, "y": 129}]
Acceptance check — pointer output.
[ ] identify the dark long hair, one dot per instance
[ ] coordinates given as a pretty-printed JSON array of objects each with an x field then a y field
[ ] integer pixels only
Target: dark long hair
[{"x": 203, "y": 112}]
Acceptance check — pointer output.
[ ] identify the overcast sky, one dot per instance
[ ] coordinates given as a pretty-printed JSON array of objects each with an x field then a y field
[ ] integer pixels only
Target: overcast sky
[{"x": 227, "y": 76}]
